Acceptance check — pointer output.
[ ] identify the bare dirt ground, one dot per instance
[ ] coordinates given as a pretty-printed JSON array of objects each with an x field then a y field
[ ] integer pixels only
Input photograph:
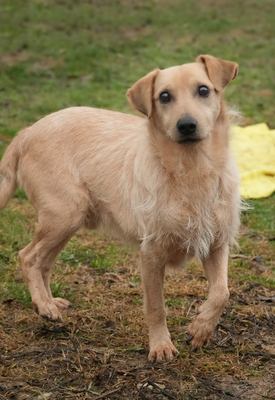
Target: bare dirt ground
[{"x": 100, "y": 349}]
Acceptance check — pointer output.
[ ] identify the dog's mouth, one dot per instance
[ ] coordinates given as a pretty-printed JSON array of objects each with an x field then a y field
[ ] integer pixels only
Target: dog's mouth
[{"x": 189, "y": 141}]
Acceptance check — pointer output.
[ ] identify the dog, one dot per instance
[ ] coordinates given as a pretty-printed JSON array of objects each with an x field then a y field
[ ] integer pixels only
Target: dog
[{"x": 167, "y": 183}]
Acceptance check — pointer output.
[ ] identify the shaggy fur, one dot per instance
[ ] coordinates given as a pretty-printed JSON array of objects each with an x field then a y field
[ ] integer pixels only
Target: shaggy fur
[{"x": 174, "y": 198}]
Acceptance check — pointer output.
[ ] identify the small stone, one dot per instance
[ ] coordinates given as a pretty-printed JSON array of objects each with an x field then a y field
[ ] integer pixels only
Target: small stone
[{"x": 160, "y": 385}]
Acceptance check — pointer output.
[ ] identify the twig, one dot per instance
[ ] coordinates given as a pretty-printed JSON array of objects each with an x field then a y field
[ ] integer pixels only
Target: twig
[
  {"x": 114, "y": 275},
  {"x": 4, "y": 388},
  {"x": 225, "y": 328},
  {"x": 257, "y": 354},
  {"x": 23, "y": 354},
  {"x": 162, "y": 391},
  {"x": 101, "y": 396}
]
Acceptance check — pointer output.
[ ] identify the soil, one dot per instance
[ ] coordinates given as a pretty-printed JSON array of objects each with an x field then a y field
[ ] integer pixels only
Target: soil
[{"x": 100, "y": 349}]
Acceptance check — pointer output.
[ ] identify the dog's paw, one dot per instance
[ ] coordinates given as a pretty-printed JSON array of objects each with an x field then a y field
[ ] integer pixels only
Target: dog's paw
[
  {"x": 164, "y": 351},
  {"x": 203, "y": 325},
  {"x": 61, "y": 303},
  {"x": 48, "y": 310},
  {"x": 200, "y": 331}
]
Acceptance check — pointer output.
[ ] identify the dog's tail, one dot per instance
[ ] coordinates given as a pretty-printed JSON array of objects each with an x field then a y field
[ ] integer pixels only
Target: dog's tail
[{"x": 8, "y": 172}]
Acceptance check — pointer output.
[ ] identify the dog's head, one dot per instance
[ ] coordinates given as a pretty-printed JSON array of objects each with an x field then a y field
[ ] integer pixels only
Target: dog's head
[{"x": 184, "y": 101}]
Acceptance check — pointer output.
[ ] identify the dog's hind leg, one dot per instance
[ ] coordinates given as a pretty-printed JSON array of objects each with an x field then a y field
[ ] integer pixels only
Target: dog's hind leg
[
  {"x": 46, "y": 275},
  {"x": 152, "y": 273},
  {"x": 52, "y": 234}
]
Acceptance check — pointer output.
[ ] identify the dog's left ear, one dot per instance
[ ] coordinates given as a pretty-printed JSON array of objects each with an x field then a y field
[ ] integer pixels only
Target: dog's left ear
[
  {"x": 220, "y": 72},
  {"x": 140, "y": 95}
]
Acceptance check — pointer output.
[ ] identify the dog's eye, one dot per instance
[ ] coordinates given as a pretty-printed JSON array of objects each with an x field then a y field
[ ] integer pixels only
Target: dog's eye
[
  {"x": 203, "y": 91},
  {"x": 165, "y": 97}
]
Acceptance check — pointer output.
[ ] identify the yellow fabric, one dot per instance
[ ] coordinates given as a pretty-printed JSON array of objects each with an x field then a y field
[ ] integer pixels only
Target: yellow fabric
[{"x": 254, "y": 150}]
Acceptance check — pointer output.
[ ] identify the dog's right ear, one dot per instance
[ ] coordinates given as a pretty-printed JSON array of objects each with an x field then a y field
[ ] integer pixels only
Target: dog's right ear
[{"x": 140, "y": 95}]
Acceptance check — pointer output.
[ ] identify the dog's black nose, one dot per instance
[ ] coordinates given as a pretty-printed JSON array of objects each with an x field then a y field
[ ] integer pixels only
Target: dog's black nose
[{"x": 187, "y": 125}]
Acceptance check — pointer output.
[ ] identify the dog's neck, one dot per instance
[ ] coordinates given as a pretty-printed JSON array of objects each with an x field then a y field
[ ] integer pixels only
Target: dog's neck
[{"x": 199, "y": 159}]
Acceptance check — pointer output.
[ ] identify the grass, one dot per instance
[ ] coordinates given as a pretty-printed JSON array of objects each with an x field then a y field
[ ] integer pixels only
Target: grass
[
  {"x": 261, "y": 217},
  {"x": 61, "y": 53},
  {"x": 56, "y": 54}
]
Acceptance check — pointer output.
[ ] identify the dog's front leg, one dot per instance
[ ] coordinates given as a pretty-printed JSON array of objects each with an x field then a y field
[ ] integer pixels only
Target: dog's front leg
[
  {"x": 161, "y": 347},
  {"x": 215, "y": 266}
]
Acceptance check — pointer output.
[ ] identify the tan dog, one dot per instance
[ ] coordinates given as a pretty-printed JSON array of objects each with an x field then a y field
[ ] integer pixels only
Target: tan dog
[{"x": 167, "y": 183}]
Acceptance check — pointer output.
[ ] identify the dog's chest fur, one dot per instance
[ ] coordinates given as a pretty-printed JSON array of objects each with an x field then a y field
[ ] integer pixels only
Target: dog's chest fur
[{"x": 192, "y": 211}]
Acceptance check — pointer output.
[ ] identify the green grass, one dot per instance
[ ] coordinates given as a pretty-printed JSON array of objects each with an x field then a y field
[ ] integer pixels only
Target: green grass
[
  {"x": 173, "y": 303},
  {"x": 14, "y": 232},
  {"x": 78, "y": 255},
  {"x": 56, "y": 54},
  {"x": 261, "y": 217}
]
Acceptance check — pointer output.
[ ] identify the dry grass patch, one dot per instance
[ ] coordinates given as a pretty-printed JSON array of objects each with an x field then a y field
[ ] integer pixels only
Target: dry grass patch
[{"x": 100, "y": 349}]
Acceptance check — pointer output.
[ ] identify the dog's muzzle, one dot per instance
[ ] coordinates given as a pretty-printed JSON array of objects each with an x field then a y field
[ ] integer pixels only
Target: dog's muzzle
[{"x": 187, "y": 127}]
